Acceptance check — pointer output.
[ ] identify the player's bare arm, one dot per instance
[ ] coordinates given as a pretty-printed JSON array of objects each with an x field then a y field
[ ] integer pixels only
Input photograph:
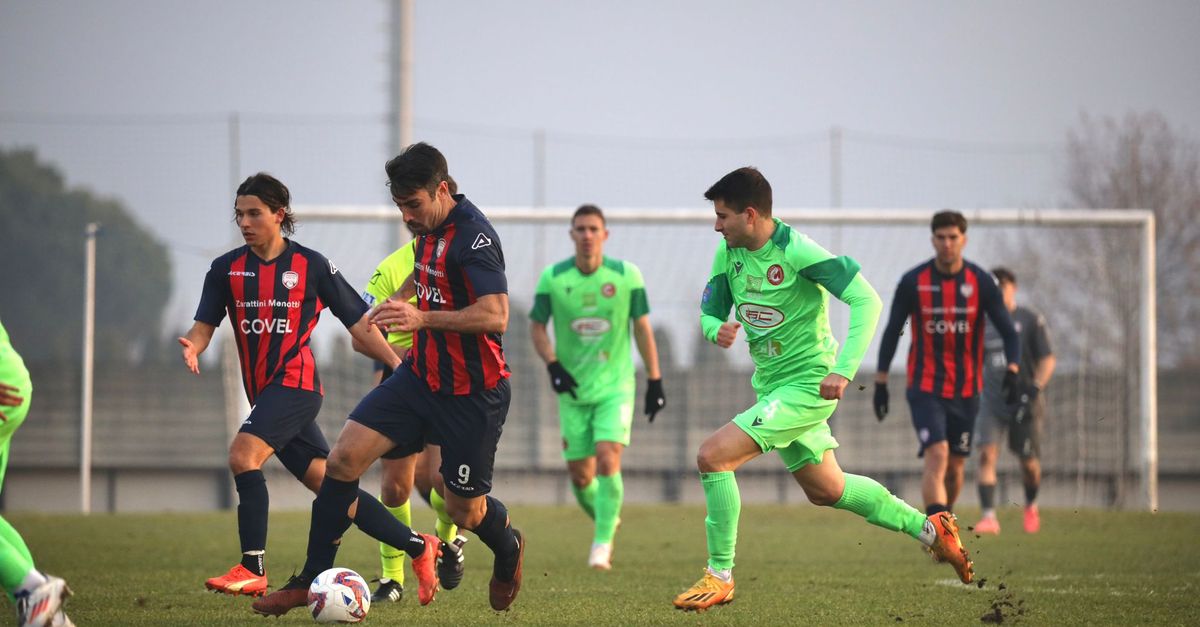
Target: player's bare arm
[
  {"x": 407, "y": 290},
  {"x": 194, "y": 343},
  {"x": 364, "y": 334},
  {"x": 489, "y": 314},
  {"x": 643, "y": 334},
  {"x": 541, "y": 342}
]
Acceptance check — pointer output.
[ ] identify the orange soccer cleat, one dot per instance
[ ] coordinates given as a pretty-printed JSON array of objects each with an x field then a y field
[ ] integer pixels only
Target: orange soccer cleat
[
  {"x": 988, "y": 524},
  {"x": 948, "y": 547},
  {"x": 239, "y": 580},
  {"x": 501, "y": 594},
  {"x": 293, "y": 594},
  {"x": 1033, "y": 522},
  {"x": 425, "y": 568},
  {"x": 709, "y": 591}
]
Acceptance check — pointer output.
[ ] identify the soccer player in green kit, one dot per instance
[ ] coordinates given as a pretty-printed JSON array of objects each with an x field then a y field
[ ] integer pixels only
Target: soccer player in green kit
[
  {"x": 778, "y": 282},
  {"x": 38, "y": 597},
  {"x": 593, "y": 299}
]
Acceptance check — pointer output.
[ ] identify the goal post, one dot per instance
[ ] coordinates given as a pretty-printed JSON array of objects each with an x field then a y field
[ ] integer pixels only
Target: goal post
[{"x": 1091, "y": 272}]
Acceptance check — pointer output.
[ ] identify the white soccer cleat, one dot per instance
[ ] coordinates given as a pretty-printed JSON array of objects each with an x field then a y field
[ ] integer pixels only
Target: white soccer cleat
[
  {"x": 42, "y": 606},
  {"x": 601, "y": 556}
]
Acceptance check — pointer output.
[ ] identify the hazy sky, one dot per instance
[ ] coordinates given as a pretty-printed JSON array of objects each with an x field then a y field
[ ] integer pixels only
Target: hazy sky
[{"x": 645, "y": 103}]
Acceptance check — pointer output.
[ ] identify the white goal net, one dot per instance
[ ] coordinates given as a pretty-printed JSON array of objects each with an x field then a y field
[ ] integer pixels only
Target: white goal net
[{"x": 1090, "y": 272}]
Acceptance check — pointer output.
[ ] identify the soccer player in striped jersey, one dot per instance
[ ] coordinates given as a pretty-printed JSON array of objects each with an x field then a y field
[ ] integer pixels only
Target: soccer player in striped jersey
[
  {"x": 594, "y": 299},
  {"x": 777, "y": 283},
  {"x": 273, "y": 290},
  {"x": 945, "y": 300},
  {"x": 403, "y": 471},
  {"x": 38, "y": 597},
  {"x": 452, "y": 390}
]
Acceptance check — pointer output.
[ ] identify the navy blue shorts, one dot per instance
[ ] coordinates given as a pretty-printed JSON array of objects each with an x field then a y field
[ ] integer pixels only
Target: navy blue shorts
[
  {"x": 286, "y": 419},
  {"x": 938, "y": 419},
  {"x": 467, "y": 427}
]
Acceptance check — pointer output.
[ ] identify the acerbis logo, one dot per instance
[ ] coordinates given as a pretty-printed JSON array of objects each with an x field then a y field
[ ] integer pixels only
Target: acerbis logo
[
  {"x": 481, "y": 241},
  {"x": 240, "y": 273},
  {"x": 590, "y": 327},
  {"x": 760, "y": 316},
  {"x": 332, "y": 268}
]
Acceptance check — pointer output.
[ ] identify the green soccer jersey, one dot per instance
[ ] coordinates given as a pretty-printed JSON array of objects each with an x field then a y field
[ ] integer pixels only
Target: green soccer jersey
[
  {"x": 389, "y": 276},
  {"x": 780, "y": 295},
  {"x": 12, "y": 368},
  {"x": 592, "y": 314}
]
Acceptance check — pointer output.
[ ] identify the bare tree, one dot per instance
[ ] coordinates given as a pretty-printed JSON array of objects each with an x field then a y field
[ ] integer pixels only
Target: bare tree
[{"x": 1140, "y": 162}]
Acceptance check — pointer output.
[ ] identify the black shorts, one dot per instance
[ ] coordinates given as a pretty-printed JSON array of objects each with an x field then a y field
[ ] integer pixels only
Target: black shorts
[
  {"x": 938, "y": 419},
  {"x": 467, "y": 427},
  {"x": 286, "y": 419}
]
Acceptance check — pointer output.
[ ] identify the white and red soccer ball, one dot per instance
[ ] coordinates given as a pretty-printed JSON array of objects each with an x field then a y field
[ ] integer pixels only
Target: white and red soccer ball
[{"x": 339, "y": 595}]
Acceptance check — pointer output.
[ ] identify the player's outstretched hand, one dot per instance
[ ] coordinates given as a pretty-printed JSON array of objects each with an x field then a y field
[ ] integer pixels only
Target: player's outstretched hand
[
  {"x": 727, "y": 334},
  {"x": 881, "y": 401},
  {"x": 561, "y": 380},
  {"x": 1011, "y": 388},
  {"x": 189, "y": 355},
  {"x": 655, "y": 399}
]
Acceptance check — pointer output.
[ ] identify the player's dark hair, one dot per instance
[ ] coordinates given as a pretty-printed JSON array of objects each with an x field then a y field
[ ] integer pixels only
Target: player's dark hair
[
  {"x": 589, "y": 210},
  {"x": 1004, "y": 275},
  {"x": 419, "y": 166},
  {"x": 274, "y": 194},
  {"x": 948, "y": 218},
  {"x": 744, "y": 187}
]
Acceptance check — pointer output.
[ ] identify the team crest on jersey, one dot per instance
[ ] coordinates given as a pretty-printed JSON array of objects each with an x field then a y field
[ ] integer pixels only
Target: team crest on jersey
[
  {"x": 481, "y": 241},
  {"x": 290, "y": 279},
  {"x": 441, "y": 247},
  {"x": 775, "y": 274},
  {"x": 967, "y": 289},
  {"x": 608, "y": 290}
]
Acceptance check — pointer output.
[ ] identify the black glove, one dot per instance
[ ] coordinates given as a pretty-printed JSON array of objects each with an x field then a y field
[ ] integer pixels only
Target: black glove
[
  {"x": 561, "y": 380},
  {"x": 1011, "y": 388},
  {"x": 655, "y": 399},
  {"x": 881, "y": 401}
]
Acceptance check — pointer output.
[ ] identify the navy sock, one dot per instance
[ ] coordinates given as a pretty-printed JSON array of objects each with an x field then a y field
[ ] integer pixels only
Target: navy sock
[
  {"x": 376, "y": 521},
  {"x": 1030, "y": 493},
  {"x": 329, "y": 522},
  {"x": 987, "y": 496},
  {"x": 495, "y": 531},
  {"x": 930, "y": 510},
  {"x": 253, "y": 503}
]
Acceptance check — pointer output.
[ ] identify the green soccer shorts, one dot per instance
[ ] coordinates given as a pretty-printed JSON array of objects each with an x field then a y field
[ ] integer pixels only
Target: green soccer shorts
[
  {"x": 584, "y": 424},
  {"x": 793, "y": 420}
]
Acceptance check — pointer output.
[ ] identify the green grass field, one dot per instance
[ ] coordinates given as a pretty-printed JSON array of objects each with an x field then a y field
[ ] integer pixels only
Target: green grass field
[{"x": 796, "y": 565}]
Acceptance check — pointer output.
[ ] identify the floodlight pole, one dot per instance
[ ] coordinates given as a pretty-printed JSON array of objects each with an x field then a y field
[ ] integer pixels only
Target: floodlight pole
[{"x": 89, "y": 340}]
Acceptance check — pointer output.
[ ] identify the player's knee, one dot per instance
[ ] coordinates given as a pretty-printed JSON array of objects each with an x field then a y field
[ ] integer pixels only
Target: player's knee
[
  {"x": 394, "y": 493},
  {"x": 341, "y": 467},
  {"x": 709, "y": 458},
  {"x": 240, "y": 461},
  {"x": 821, "y": 495},
  {"x": 465, "y": 513}
]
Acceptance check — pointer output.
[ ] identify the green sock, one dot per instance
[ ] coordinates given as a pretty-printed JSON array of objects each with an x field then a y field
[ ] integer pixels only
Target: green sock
[
  {"x": 867, "y": 498},
  {"x": 609, "y": 496},
  {"x": 15, "y": 562},
  {"x": 446, "y": 529},
  {"x": 393, "y": 558},
  {"x": 724, "y": 505},
  {"x": 586, "y": 497}
]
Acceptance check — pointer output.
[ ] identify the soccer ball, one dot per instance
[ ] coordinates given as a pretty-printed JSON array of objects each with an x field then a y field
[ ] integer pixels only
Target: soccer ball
[{"x": 339, "y": 595}]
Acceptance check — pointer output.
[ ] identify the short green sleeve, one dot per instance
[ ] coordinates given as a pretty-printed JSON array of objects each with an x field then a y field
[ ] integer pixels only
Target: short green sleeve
[
  {"x": 541, "y": 298},
  {"x": 639, "y": 305}
]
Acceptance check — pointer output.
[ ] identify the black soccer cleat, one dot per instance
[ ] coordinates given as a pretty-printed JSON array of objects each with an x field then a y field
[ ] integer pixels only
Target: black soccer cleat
[
  {"x": 389, "y": 590},
  {"x": 450, "y": 564}
]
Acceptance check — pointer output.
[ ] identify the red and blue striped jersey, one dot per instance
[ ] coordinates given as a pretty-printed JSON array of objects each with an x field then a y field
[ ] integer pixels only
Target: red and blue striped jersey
[
  {"x": 453, "y": 266},
  {"x": 273, "y": 307},
  {"x": 945, "y": 313}
]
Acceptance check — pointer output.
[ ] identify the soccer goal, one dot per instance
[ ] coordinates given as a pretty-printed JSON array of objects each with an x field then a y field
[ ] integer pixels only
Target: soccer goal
[{"x": 1090, "y": 272}]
